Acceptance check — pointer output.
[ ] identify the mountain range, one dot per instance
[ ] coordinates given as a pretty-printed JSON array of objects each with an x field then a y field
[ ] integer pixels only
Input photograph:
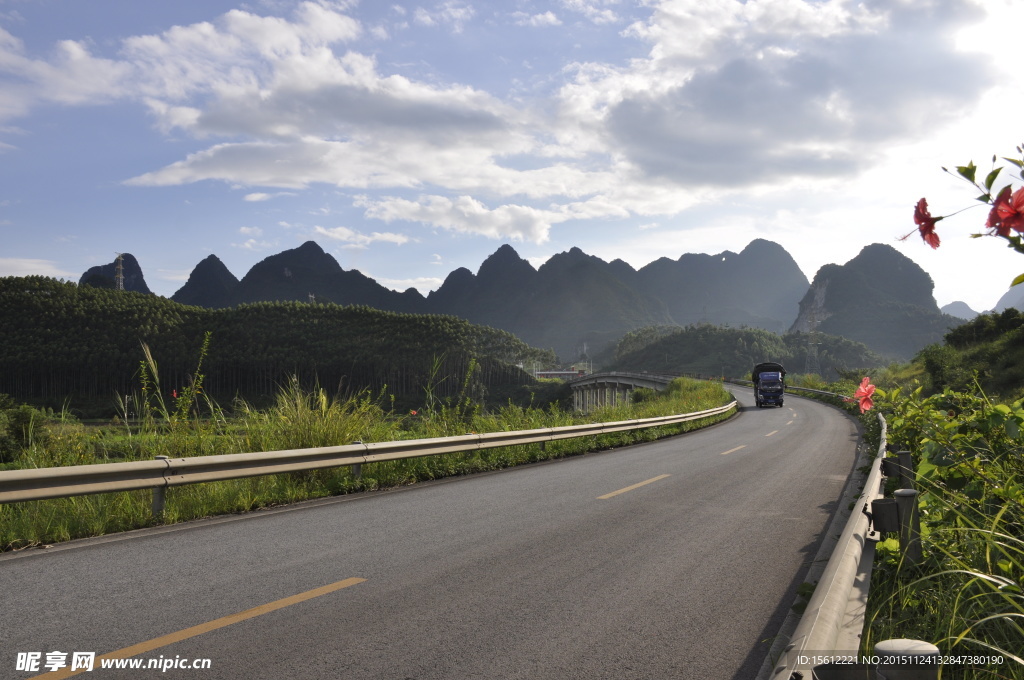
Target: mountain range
[{"x": 580, "y": 305}]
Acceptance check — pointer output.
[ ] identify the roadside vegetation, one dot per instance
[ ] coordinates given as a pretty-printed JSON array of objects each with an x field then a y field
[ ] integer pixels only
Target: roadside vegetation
[
  {"x": 194, "y": 425},
  {"x": 958, "y": 409},
  {"x": 966, "y": 596}
]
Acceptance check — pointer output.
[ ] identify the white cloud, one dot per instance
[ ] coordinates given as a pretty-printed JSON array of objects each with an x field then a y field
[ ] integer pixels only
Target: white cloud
[
  {"x": 537, "y": 20},
  {"x": 255, "y": 245},
  {"x": 250, "y": 231},
  {"x": 14, "y": 266},
  {"x": 731, "y": 98},
  {"x": 451, "y": 13},
  {"x": 465, "y": 214},
  {"x": 424, "y": 284},
  {"x": 71, "y": 76},
  {"x": 259, "y": 197},
  {"x": 232, "y": 54},
  {"x": 593, "y": 10},
  {"x": 725, "y": 99},
  {"x": 174, "y": 274},
  {"x": 357, "y": 239},
  {"x": 184, "y": 61}
]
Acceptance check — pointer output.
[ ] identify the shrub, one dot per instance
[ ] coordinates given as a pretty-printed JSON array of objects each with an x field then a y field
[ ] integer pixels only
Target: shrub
[{"x": 20, "y": 427}]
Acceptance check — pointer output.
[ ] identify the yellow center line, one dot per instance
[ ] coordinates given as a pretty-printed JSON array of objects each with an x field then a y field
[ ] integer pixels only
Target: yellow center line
[
  {"x": 789, "y": 423},
  {"x": 171, "y": 638},
  {"x": 771, "y": 433},
  {"x": 726, "y": 453},
  {"x": 630, "y": 488}
]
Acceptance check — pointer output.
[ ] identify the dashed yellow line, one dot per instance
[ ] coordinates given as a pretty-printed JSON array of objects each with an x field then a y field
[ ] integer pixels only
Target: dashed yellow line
[
  {"x": 630, "y": 488},
  {"x": 171, "y": 638},
  {"x": 771, "y": 433},
  {"x": 726, "y": 453}
]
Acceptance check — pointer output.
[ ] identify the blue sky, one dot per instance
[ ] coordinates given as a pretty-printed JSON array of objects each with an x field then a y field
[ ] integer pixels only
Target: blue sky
[{"x": 409, "y": 139}]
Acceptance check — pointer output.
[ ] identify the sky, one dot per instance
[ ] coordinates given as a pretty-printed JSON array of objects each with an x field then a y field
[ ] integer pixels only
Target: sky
[{"x": 410, "y": 139}]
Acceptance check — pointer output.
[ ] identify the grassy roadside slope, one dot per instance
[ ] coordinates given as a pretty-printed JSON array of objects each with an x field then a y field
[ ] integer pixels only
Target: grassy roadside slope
[{"x": 303, "y": 419}]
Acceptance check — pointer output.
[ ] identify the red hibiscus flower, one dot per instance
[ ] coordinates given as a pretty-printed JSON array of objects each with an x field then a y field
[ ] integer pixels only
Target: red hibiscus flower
[
  {"x": 1007, "y": 212},
  {"x": 925, "y": 224},
  {"x": 864, "y": 394}
]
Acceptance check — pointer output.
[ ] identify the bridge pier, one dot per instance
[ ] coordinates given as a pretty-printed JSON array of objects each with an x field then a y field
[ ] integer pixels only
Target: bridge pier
[{"x": 604, "y": 389}]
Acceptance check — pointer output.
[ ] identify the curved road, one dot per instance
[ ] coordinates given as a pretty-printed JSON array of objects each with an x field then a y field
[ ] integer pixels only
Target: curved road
[{"x": 675, "y": 559}]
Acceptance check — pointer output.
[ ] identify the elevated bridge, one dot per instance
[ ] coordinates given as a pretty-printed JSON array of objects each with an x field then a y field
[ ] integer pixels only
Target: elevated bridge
[{"x": 604, "y": 389}]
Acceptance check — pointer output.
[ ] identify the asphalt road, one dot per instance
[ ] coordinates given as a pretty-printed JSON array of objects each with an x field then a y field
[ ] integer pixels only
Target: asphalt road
[{"x": 675, "y": 559}]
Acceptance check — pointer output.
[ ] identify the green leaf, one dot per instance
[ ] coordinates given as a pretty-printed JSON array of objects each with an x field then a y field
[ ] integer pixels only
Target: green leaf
[
  {"x": 1019, "y": 163},
  {"x": 888, "y": 545},
  {"x": 967, "y": 171},
  {"x": 991, "y": 178},
  {"x": 1017, "y": 281},
  {"x": 984, "y": 198},
  {"x": 926, "y": 469}
]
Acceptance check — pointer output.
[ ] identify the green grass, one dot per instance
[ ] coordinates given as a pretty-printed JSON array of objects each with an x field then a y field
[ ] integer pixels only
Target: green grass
[{"x": 300, "y": 419}]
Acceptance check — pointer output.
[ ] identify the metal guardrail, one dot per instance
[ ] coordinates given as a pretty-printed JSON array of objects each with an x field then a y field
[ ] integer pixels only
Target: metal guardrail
[{"x": 76, "y": 480}]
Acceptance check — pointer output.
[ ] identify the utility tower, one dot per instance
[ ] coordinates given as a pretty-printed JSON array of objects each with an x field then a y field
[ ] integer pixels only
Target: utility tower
[
  {"x": 812, "y": 365},
  {"x": 119, "y": 271}
]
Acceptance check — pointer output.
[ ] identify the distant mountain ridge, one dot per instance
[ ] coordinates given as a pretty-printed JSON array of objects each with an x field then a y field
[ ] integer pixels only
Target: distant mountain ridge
[
  {"x": 760, "y": 286},
  {"x": 579, "y": 304}
]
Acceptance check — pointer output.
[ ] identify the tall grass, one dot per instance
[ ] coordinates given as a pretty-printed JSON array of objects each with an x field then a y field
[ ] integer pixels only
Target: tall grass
[
  {"x": 299, "y": 419},
  {"x": 967, "y": 594}
]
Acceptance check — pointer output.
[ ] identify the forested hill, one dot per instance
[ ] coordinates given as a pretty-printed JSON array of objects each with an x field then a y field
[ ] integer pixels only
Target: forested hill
[
  {"x": 702, "y": 348},
  {"x": 61, "y": 341}
]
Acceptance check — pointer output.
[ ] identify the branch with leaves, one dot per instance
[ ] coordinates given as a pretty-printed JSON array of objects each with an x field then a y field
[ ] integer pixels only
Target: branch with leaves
[{"x": 1005, "y": 217}]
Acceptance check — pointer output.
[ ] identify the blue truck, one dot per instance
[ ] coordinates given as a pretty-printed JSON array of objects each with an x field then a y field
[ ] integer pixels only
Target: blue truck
[{"x": 769, "y": 380}]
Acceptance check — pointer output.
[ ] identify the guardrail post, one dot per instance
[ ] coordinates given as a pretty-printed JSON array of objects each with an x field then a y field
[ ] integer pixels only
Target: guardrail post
[
  {"x": 357, "y": 469},
  {"x": 159, "y": 497},
  {"x": 914, "y": 654},
  {"x": 906, "y": 469},
  {"x": 910, "y": 525},
  {"x": 891, "y": 466},
  {"x": 885, "y": 516}
]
